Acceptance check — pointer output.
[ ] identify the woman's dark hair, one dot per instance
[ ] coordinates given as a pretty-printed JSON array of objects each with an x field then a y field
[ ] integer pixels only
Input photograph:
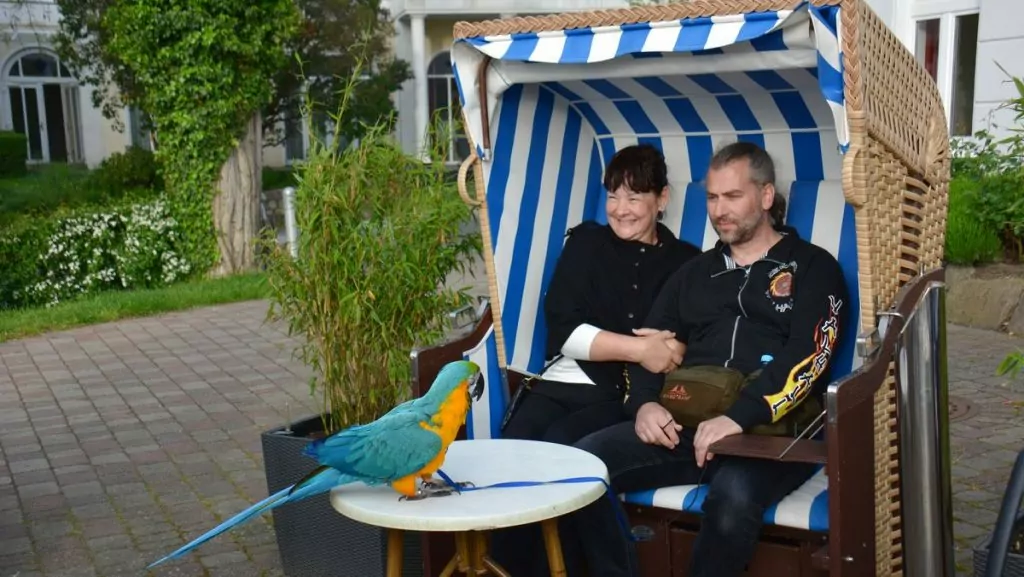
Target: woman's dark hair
[{"x": 641, "y": 167}]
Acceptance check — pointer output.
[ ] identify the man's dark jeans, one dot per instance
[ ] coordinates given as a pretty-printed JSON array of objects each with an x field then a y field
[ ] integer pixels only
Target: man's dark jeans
[{"x": 739, "y": 491}]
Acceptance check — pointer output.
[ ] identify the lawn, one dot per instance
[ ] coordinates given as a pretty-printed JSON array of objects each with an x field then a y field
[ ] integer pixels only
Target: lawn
[{"x": 111, "y": 306}]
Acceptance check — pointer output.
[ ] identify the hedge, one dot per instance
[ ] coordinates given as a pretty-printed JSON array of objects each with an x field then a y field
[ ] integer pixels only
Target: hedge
[
  {"x": 51, "y": 258},
  {"x": 13, "y": 154}
]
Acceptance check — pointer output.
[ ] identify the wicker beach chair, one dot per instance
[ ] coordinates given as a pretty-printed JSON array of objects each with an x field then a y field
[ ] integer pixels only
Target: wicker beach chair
[{"x": 858, "y": 133}]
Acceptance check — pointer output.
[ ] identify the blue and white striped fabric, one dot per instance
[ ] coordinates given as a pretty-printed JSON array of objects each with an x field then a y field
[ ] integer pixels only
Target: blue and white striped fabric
[
  {"x": 805, "y": 508},
  {"x": 484, "y": 420},
  {"x": 561, "y": 103},
  {"x": 586, "y": 45},
  {"x": 744, "y": 42}
]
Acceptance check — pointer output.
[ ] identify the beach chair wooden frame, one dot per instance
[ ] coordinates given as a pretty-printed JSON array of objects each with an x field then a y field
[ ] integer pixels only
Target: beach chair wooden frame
[{"x": 858, "y": 133}]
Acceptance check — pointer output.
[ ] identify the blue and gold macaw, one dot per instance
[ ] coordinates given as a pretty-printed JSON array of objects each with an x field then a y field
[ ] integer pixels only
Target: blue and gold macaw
[{"x": 407, "y": 444}]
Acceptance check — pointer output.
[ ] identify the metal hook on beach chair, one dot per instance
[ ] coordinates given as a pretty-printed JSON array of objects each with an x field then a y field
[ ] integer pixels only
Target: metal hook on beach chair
[{"x": 802, "y": 434}]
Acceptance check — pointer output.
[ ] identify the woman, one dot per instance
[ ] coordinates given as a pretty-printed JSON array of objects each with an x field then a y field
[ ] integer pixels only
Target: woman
[{"x": 604, "y": 284}]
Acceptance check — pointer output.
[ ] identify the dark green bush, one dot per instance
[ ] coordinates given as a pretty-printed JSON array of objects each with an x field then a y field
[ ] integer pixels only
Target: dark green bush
[
  {"x": 970, "y": 239},
  {"x": 277, "y": 178},
  {"x": 133, "y": 169},
  {"x": 23, "y": 244},
  {"x": 996, "y": 168},
  {"x": 13, "y": 154},
  {"x": 994, "y": 171},
  {"x": 49, "y": 188}
]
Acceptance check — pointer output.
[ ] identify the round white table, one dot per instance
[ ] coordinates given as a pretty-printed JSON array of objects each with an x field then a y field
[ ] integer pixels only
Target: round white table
[{"x": 472, "y": 513}]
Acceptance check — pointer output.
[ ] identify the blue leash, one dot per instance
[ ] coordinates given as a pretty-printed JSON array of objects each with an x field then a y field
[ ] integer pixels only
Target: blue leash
[{"x": 516, "y": 484}]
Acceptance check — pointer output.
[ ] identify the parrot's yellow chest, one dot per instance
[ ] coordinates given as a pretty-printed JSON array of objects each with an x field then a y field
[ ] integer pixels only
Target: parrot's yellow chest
[{"x": 450, "y": 417}]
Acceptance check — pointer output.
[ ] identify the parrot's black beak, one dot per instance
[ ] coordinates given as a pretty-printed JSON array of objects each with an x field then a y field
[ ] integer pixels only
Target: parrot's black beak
[{"x": 476, "y": 390}]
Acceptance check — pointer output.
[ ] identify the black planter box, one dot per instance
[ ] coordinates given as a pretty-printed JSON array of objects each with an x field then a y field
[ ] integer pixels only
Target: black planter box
[
  {"x": 1014, "y": 566},
  {"x": 314, "y": 540}
]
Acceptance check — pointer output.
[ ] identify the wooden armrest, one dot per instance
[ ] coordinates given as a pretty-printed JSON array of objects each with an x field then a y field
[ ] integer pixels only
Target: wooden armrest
[
  {"x": 762, "y": 447},
  {"x": 820, "y": 559}
]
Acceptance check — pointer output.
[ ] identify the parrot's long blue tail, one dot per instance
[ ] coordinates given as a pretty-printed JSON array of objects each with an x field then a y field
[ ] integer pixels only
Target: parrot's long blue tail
[{"x": 319, "y": 481}]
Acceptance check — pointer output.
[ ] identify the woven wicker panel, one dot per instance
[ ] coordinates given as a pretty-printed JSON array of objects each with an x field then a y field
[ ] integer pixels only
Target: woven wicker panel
[
  {"x": 906, "y": 236},
  {"x": 896, "y": 175},
  {"x": 899, "y": 95},
  {"x": 887, "y": 507},
  {"x": 937, "y": 159},
  {"x": 620, "y": 16},
  {"x": 888, "y": 550}
]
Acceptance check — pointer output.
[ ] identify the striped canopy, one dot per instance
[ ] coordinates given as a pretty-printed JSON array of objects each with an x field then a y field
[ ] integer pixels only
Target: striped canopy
[
  {"x": 702, "y": 47},
  {"x": 560, "y": 103}
]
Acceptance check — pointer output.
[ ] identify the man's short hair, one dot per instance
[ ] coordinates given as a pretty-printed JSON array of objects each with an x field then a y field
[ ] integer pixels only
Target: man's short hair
[
  {"x": 641, "y": 167},
  {"x": 762, "y": 172},
  {"x": 762, "y": 169}
]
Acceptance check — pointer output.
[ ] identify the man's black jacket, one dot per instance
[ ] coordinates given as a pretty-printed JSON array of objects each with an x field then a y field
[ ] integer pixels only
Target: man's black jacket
[{"x": 786, "y": 309}]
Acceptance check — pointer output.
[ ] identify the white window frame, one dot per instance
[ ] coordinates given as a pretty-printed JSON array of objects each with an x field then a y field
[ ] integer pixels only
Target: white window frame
[
  {"x": 453, "y": 97},
  {"x": 946, "y": 11},
  {"x": 70, "y": 95}
]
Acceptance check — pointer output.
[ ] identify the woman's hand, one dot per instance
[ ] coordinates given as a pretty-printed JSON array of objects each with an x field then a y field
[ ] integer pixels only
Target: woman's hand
[{"x": 660, "y": 352}]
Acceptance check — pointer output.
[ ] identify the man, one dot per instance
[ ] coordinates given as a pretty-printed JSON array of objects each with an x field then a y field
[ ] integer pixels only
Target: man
[{"x": 763, "y": 302}]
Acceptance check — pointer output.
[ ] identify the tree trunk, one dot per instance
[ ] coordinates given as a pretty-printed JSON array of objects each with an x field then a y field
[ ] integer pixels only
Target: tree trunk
[{"x": 236, "y": 206}]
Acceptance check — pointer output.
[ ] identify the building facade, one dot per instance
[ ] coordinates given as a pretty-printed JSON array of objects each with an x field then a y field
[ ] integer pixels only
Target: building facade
[{"x": 962, "y": 43}]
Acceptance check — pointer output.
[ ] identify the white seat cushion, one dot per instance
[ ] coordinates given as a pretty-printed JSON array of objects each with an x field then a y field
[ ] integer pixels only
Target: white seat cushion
[{"x": 804, "y": 508}]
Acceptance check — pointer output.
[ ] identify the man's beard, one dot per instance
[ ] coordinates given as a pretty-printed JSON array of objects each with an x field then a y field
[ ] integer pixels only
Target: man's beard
[{"x": 742, "y": 231}]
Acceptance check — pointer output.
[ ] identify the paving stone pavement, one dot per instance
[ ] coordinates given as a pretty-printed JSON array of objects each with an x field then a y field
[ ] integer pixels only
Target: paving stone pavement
[{"x": 120, "y": 442}]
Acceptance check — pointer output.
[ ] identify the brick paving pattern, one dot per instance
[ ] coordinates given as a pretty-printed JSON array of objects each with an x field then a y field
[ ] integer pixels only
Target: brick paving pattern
[
  {"x": 121, "y": 442},
  {"x": 984, "y": 444}
]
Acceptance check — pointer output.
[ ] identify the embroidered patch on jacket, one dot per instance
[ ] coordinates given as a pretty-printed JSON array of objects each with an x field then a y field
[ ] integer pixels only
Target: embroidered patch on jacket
[{"x": 780, "y": 286}]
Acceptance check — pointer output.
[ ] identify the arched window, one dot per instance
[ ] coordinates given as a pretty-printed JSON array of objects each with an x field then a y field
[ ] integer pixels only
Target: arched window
[
  {"x": 40, "y": 99},
  {"x": 444, "y": 102},
  {"x": 39, "y": 65}
]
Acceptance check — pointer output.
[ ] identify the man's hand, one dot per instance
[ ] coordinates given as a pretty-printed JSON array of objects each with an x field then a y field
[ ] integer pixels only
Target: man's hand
[
  {"x": 655, "y": 426},
  {"x": 710, "y": 432},
  {"x": 660, "y": 351}
]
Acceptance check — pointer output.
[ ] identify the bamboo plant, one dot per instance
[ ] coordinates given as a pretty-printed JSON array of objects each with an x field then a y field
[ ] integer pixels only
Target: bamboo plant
[{"x": 379, "y": 232}]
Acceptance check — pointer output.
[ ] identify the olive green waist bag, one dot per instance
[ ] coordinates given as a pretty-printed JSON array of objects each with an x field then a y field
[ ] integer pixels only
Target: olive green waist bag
[{"x": 696, "y": 394}]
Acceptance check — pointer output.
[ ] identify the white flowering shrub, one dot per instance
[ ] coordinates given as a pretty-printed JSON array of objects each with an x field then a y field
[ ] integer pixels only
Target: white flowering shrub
[{"x": 123, "y": 247}]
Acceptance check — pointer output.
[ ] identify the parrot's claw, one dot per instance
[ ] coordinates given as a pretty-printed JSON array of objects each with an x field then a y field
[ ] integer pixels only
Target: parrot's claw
[
  {"x": 442, "y": 486},
  {"x": 434, "y": 489}
]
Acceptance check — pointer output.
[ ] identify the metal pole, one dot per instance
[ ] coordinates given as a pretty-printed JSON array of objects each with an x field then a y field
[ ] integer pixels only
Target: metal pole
[
  {"x": 926, "y": 495},
  {"x": 1001, "y": 535},
  {"x": 288, "y": 196}
]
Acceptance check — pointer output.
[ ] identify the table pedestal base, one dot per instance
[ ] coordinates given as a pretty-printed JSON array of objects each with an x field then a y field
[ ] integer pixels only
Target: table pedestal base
[{"x": 471, "y": 556}]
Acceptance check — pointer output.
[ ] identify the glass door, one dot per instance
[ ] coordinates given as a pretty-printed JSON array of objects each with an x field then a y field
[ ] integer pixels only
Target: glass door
[{"x": 26, "y": 112}]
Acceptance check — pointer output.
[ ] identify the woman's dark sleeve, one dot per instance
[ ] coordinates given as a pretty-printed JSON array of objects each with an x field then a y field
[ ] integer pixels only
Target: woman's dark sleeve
[{"x": 565, "y": 303}]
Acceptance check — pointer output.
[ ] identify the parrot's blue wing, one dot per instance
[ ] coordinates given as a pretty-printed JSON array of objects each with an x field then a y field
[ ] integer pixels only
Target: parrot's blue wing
[{"x": 396, "y": 445}]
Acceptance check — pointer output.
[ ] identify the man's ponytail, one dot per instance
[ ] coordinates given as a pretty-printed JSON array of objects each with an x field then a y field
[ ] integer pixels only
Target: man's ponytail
[{"x": 777, "y": 212}]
